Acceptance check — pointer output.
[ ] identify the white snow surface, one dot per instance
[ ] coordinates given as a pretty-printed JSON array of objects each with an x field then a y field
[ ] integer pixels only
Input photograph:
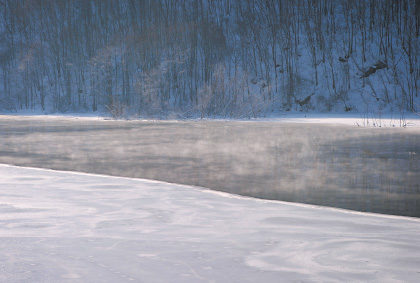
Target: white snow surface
[
  {"x": 371, "y": 119},
  {"x": 75, "y": 227},
  {"x": 352, "y": 119}
]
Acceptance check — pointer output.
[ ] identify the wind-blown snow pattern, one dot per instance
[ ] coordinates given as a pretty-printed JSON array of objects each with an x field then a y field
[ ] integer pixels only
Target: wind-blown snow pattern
[{"x": 75, "y": 227}]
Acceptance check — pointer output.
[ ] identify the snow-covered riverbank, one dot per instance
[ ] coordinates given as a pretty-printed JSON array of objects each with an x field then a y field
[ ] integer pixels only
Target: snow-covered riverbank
[
  {"x": 371, "y": 119},
  {"x": 75, "y": 227}
]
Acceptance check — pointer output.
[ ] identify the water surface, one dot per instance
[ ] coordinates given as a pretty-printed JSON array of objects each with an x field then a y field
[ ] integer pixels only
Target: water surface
[{"x": 365, "y": 169}]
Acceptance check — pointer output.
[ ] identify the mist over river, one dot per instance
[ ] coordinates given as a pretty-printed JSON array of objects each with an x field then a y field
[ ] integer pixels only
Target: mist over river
[{"x": 358, "y": 168}]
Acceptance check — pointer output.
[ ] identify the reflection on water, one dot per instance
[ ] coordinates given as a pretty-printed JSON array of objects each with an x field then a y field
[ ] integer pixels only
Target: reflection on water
[{"x": 366, "y": 169}]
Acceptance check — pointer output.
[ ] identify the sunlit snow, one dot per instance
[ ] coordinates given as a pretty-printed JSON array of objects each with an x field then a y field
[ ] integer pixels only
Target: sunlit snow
[{"x": 74, "y": 227}]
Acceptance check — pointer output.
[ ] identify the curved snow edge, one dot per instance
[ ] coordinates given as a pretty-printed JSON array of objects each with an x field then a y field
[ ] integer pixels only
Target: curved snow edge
[{"x": 224, "y": 194}]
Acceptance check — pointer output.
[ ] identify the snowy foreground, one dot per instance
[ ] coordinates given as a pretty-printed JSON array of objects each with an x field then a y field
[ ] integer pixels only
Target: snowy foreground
[{"x": 73, "y": 227}]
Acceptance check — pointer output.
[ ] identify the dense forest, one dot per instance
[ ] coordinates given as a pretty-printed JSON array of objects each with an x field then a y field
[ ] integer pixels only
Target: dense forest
[{"x": 209, "y": 58}]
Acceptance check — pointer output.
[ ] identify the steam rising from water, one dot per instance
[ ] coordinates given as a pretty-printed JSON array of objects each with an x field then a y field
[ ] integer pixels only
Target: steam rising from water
[{"x": 365, "y": 169}]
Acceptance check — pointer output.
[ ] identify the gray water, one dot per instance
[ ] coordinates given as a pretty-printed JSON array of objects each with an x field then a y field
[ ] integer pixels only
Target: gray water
[{"x": 364, "y": 169}]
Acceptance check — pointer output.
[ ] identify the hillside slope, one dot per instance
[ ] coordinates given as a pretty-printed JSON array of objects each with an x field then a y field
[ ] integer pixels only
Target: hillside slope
[{"x": 209, "y": 58}]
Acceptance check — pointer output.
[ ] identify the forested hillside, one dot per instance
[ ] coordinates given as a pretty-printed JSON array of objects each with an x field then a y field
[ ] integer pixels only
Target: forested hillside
[{"x": 209, "y": 58}]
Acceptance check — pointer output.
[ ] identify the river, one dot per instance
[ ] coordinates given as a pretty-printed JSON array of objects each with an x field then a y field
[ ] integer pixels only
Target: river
[{"x": 357, "y": 168}]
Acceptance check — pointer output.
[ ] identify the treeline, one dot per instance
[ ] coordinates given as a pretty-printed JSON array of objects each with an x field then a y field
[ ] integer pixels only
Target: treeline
[{"x": 207, "y": 57}]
